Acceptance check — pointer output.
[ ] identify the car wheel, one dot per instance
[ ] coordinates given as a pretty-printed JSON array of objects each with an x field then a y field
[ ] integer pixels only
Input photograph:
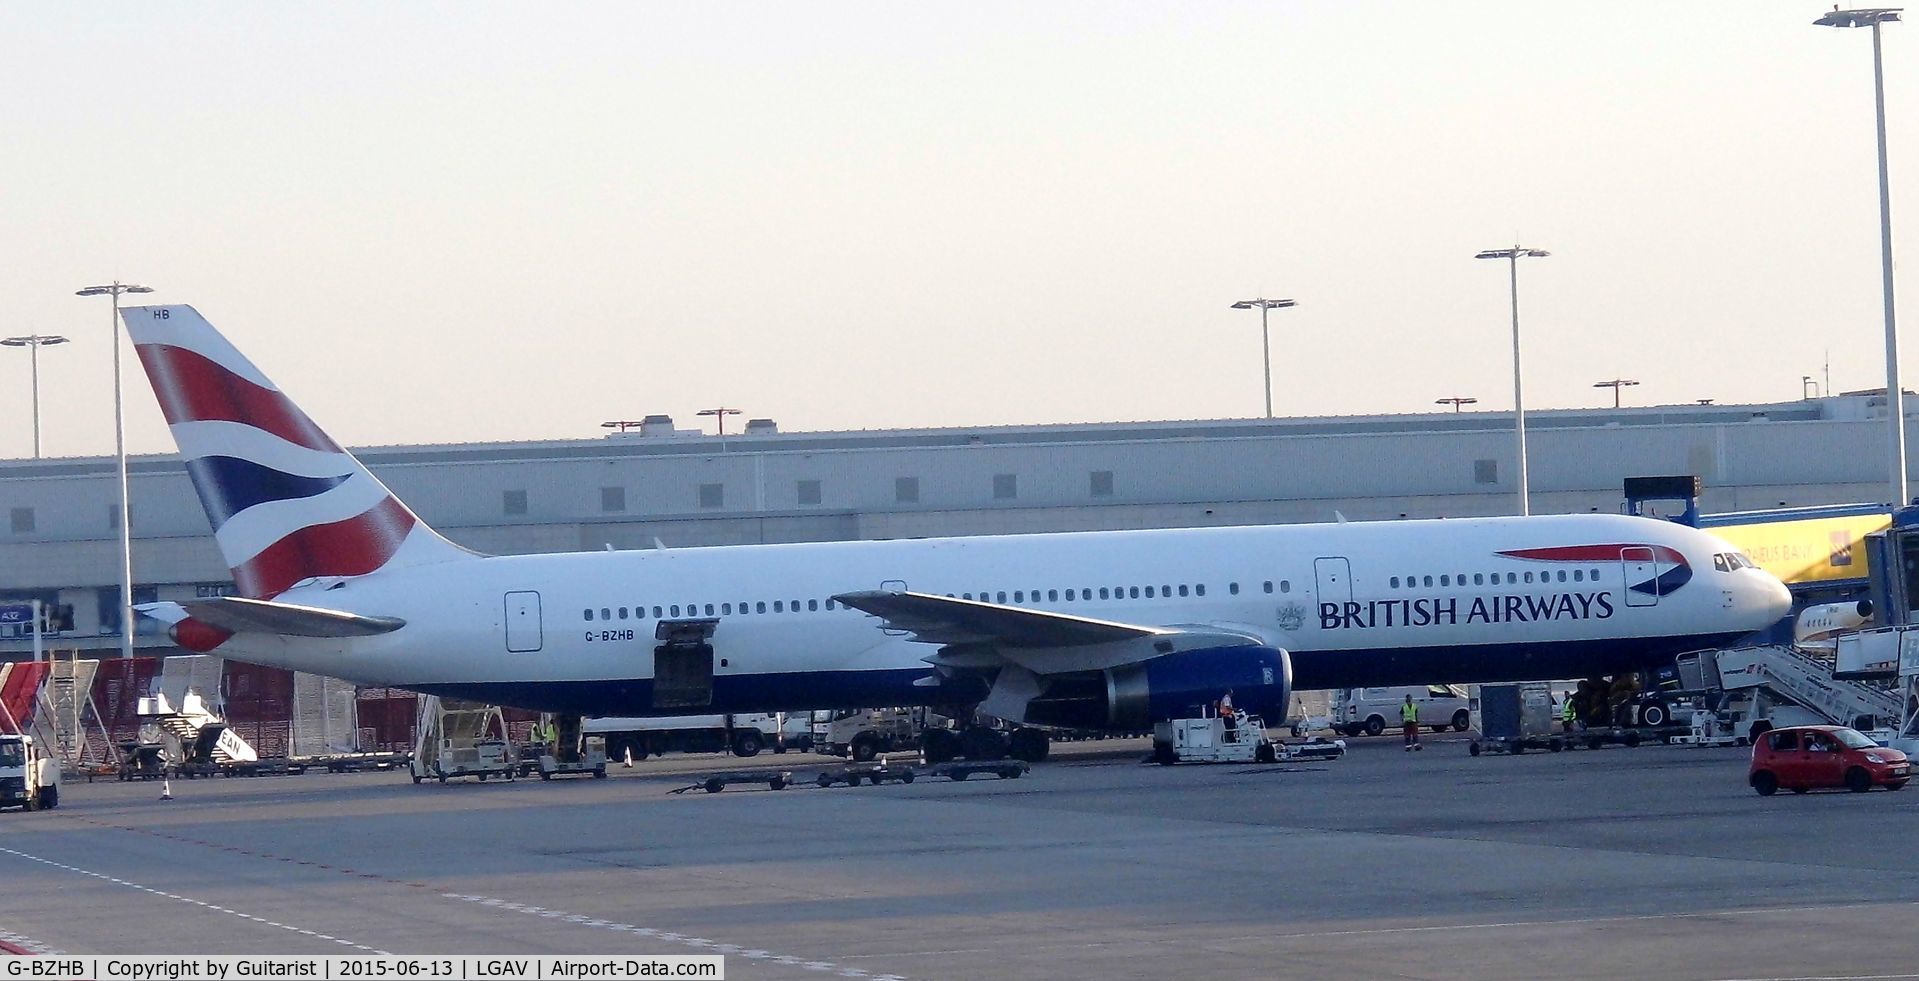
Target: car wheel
[
  {"x": 1375, "y": 725},
  {"x": 747, "y": 743},
  {"x": 1163, "y": 754},
  {"x": 714, "y": 786},
  {"x": 1765, "y": 783},
  {"x": 1298, "y": 730},
  {"x": 1474, "y": 748},
  {"x": 1462, "y": 720},
  {"x": 906, "y": 777},
  {"x": 1264, "y": 754},
  {"x": 51, "y": 797},
  {"x": 864, "y": 749},
  {"x": 1594, "y": 742},
  {"x": 776, "y": 783},
  {"x": 823, "y": 780},
  {"x": 1555, "y": 745},
  {"x": 1653, "y": 714},
  {"x": 1858, "y": 780},
  {"x": 1632, "y": 740}
]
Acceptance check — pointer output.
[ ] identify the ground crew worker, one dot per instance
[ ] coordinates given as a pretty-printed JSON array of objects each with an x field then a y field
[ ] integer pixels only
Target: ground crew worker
[
  {"x": 1226, "y": 712},
  {"x": 1566, "y": 714},
  {"x": 1409, "y": 723}
]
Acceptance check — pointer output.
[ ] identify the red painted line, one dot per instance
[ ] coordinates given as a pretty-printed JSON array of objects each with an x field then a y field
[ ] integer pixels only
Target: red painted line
[{"x": 15, "y": 949}]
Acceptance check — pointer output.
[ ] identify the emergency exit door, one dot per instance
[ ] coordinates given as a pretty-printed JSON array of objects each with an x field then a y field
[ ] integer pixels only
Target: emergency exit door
[
  {"x": 1334, "y": 580},
  {"x": 1641, "y": 575},
  {"x": 523, "y": 634}
]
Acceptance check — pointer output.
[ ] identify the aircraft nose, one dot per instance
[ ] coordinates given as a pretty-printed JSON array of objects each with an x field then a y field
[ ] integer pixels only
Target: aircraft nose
[{"x": 1775, "y": 600}]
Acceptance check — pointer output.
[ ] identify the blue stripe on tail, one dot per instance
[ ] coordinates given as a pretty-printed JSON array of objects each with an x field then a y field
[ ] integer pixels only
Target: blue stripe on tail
[{"x": 229, "y": 485}]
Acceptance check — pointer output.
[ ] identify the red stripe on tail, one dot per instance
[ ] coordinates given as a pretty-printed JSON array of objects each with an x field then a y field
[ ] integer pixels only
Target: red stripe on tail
[
  {"x": 192, "y": 388},
  {"x": 353, "y": 547}
]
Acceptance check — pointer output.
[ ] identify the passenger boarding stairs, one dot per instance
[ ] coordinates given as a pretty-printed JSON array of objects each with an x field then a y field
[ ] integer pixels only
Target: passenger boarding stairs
[
  {"x": 67, "y": 712},
  {"x": 1807, "y": 682},
  {"x": 449, "y": 732},
  {"x": 197, "y": 729}
]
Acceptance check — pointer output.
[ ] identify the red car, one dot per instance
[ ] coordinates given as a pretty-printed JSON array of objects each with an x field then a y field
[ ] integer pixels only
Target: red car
[{"x": 1800, "y": 758}]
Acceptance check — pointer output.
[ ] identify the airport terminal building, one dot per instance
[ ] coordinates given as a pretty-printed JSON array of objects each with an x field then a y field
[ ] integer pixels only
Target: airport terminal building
[{"x": 658, "y": 486}]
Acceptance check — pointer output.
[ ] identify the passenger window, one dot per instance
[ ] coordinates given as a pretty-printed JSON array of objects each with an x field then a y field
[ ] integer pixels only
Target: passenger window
[
  {"x": 1165, "y": 590},
  {"x": 759, "y": 607},
  {"x": 1232, "y": 589},
  {"x": 1052, "y": 596},
  {"x": 1019, "y": 596},
  {"x": 658, "y": 613},
  {"x": 606, "y": 614},
  {"x": 709, "y": 609},
  {"x": 1785, "y": 741},
  {"x": 1069, "y": 596},
  {"x": 1428, "y": 580},
  {"x": 1529, "y": 577},
  {"x": 1562, "y": 575},
  {"x": 1269, "y": 585},
  {"x": 1395, "y": 582},
  {"x": 726, "y": 609},
  {"x": 1445, "y": 580},
  {"x": 1438, "y": 691},
  {"x": 622, "y": 612},
  {"x": 676, "y": 609},
  {"x": 813, "y": 605},
  {"x": 1285, "y": 585},
  {"x": 1593, "y": 575},
  {"x": 1579, "y": 575},
  {"x": 1479, "y": 579},
  {"x": 779, "y": 606},
  {"x": 1149, "y": 592},
  {"x": 1102, "y": 592},
  {"x": 1182, "y": 590},
  {"x": 589, "y": 615},
  {"x": 1512, "y": 578},
  {"x": 1002, "y": 597},
  {"x": 1199, "y": 589}
]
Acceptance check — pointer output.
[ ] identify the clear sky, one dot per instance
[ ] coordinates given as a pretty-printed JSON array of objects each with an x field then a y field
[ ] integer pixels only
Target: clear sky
[{"x": 491, "y": 221}]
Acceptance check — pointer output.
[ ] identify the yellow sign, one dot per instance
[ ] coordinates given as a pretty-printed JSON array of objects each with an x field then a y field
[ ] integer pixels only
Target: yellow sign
[{"x": 1808, "y": 550}]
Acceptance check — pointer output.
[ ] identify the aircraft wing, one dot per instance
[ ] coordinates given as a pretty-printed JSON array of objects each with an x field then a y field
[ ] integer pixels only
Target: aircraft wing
[
  {"x": 973, "y": 634},
  {"x": 239, "y": 615}
]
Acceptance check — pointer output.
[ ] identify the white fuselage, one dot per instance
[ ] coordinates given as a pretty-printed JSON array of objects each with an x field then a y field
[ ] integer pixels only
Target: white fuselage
[{"x": 1354, "y": 604}]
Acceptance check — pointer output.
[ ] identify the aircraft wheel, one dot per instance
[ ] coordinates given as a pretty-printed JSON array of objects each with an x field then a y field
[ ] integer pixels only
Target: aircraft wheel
[{"x": 1030, "y": 745}]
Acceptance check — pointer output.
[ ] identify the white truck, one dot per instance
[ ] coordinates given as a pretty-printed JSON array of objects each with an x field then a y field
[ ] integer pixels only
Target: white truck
[
  {"x": 29, "y": 779},
  {"x": 631, "y": 739}
]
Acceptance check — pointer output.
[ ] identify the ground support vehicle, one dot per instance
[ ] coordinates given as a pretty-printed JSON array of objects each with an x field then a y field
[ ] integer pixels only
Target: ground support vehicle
[
  {"x": 456, "y": 740},
  {"x": 713, "y": 783},
  {"x": 352, "y": 762},
  {"x": 1710, "y": 729},
  {"x": 29, "y": 778},
  {"x": 590, "y": 758},
  {"x": 875, "y": 773},
  {"x": 629, "y": 740},
  {"x": 1313, "y": 749},
  {"x": 1803, "y": 758},
  {"x": 1372, "y": 711},
  {"x": 1213, "y": 739},
  {"x": 1004, "y": 769},
  {"x": 143, "y": 761}
]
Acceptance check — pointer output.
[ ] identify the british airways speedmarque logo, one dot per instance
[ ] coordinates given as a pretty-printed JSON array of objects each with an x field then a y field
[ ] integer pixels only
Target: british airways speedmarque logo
[
  {"x": 1647, "y": 559},
  {"x": 1653, "y": 570}
]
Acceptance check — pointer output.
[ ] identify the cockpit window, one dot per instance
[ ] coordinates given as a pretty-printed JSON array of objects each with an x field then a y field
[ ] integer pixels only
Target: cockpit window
[
  {"x": 1731, "y": 561},
  {"x": 1719, "y": 563}
]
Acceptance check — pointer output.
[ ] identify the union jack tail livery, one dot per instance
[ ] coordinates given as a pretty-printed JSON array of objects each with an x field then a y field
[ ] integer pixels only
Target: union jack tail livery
[{"x": 287, "y": 504}]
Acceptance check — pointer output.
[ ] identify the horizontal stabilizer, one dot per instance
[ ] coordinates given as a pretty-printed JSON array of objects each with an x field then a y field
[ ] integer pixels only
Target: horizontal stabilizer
[{"x": 250, "y": 616}]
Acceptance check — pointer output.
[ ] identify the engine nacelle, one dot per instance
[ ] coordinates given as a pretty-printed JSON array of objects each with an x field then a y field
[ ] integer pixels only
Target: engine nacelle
[{"x": 1172, "y": 686}]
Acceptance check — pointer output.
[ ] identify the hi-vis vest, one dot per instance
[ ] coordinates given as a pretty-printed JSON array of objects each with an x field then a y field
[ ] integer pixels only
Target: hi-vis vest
[{"x": 1409, "y": 713}]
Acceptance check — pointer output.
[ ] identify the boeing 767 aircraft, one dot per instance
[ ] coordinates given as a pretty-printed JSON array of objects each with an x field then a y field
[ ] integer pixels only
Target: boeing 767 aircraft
[{"x": 1091, "y": 630}]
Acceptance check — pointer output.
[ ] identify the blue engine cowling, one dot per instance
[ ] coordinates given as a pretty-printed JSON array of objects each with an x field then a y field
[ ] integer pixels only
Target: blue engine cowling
[
  {"x": 1180, "y": 686},
  {"x": 1132, "y": 697}
]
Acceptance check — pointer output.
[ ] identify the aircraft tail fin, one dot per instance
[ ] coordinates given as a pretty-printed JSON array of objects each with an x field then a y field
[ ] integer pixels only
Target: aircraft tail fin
[{"x": 286, "y": 502}]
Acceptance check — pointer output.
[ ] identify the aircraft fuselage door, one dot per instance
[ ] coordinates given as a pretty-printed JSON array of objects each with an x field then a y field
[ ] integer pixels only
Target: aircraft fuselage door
[
  {"x": 1334, "y": 580},
  {"x": 523, "y": 633},
  {"x": 1642, "y": 575}
]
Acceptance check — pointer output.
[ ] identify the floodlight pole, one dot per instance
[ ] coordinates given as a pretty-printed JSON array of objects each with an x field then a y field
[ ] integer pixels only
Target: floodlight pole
[
  {"x": 120, "y": 455},
  {"x": 1512, "y": 257},
  {"x": 1266, "y": 339},
  {"x": 33, "y": 343},
  {"x": 1895, "y": 394}
]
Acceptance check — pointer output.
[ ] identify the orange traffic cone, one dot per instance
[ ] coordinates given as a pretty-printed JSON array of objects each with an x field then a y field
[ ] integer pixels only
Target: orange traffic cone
[{"x": 166, "y": 789}]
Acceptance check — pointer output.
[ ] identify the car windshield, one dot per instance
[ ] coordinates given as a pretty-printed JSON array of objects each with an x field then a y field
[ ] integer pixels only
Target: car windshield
[
  {"x": 1853, "y": 739},
  {"x": 12, "y": 754}
]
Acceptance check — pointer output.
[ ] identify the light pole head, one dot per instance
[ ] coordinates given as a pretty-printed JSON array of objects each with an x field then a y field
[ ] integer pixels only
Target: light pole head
[
  {"x": 1516, "y": 252},
  {"x": 33, "y": 340},
  {"x": 113, "y": 289},
  {"x": 1264, "y": 304},
  {"x": 1867, "y": 17}
]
